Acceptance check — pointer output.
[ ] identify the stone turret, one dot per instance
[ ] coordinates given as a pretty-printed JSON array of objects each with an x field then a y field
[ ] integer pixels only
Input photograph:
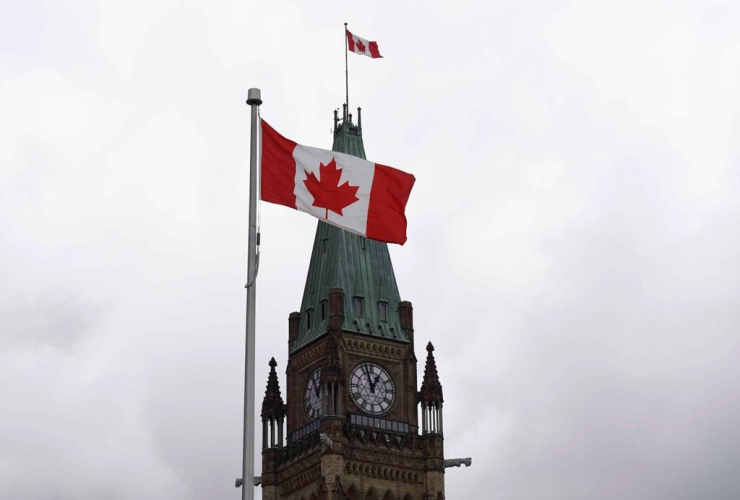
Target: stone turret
[
  {"x": 431, "y": 389},
  {"x": 273, "y": 422},
  {"x": 430, "y": 396},
  {"x": 273, "y": 411}
]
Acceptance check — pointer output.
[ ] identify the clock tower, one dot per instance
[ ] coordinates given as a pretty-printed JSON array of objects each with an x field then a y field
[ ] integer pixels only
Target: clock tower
[{"x": 354, "y": 424}]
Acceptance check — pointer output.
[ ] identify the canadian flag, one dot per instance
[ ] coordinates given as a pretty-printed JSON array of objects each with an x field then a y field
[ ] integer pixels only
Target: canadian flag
[
  {"x": 361, "y": 46},
  {"x": 354, "y": 194}
]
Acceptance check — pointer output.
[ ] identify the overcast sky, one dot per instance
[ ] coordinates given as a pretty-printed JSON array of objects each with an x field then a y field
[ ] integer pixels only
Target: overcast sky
[{"x": 573, "y": 245}]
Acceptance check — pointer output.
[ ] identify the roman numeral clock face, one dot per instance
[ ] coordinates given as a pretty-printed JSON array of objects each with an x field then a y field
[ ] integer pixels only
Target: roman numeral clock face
[
  {"x": 372, "y": 388},
  {"x": 312, "y": 395}
]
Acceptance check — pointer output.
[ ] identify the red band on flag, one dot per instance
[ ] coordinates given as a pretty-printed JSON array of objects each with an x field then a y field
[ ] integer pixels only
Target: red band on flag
[
  {"x": 374, "y": 50},
  {"x": 278, "y": 167},
  {"x": 386, "y": 220},
  {"x": 350, "y": 41}
]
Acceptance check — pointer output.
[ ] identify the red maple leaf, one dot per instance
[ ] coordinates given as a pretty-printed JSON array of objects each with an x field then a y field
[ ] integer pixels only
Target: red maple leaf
[
  {"x": 327, "y": 193},
  {"x": 360, "y": 46}
]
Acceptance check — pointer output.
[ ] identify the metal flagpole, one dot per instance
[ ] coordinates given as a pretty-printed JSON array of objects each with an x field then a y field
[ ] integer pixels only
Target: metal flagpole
[
  {"x": 346, "y": 71},
  {"x": 254, "y": 99}
]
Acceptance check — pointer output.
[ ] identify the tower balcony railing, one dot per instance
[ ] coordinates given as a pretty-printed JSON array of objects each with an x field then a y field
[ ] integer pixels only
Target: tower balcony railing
[
  {"x": 356, "y": 420},
  {"x": 377, "y": 430},
  {"x": 304, "y": 431},
  {"x": 386, "y": 424}
]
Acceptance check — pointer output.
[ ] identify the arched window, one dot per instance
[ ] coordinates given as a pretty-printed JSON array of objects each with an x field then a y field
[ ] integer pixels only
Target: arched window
[{"x": 352, "y": 493}]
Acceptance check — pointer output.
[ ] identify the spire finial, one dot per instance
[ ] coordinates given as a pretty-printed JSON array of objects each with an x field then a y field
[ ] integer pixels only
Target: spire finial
[
  {"x": 431, "y": 389},
  {"x": 272, "y": 404}
]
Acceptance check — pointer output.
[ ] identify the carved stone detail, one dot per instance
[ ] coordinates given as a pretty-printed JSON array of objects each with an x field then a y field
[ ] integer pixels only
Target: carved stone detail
[
  {"x": 326, "y": 440},
  {"x": 299, "y": 481},
  {"x": 308, "y": 356},
  {"x": 374, "y": 348},
  {"x": 339, "y": 488},
  {"x": 384, "y": 472},
  {"x": 457, "y": 462},
  {"x": 294, "y": 469},
  {"x": 390, "y": 458},
  {"x": 323, "y": 490}
]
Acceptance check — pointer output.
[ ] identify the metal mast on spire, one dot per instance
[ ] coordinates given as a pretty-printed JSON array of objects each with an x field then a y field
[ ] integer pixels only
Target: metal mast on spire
[{"x": 346, "y": 73}]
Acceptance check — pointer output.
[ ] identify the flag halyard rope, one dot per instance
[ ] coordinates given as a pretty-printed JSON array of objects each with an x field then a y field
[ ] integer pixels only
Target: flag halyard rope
[{"x": 256, "y": 267}]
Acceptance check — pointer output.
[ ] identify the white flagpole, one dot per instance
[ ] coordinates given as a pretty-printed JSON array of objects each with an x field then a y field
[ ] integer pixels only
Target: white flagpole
[{"x": 254, "y": 100}]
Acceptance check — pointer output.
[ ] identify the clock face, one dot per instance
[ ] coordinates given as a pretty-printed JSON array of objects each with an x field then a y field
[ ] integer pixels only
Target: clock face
[
  {"x": 372, "y": 388},
  {"x": 312, "y": 395}
]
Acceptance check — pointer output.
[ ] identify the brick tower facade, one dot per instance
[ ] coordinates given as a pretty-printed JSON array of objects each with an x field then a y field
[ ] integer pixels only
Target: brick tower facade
[{"x": 356, "y": 426}]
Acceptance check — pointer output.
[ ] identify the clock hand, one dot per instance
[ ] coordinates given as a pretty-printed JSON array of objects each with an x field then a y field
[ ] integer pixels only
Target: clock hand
[{"x": 370, "y": 379}]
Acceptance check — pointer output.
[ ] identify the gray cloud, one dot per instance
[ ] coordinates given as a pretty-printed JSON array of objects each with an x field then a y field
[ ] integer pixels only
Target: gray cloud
[
  {"x": 54, "y": 320},
  {"x": 572, "y": 248}
]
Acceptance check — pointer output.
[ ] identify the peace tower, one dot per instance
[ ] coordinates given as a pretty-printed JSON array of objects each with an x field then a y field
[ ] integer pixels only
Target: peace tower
[{"x": 354, "y": 424}]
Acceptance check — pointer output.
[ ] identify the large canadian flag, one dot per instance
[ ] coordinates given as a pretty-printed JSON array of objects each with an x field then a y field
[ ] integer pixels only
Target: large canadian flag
[
  {"x": 361, "y": 46},
  {"x": 355, "y": 194}
]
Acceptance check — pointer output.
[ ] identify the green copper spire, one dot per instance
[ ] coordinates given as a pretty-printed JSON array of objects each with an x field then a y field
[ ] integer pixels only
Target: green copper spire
[{"x": 359, "y": 266}]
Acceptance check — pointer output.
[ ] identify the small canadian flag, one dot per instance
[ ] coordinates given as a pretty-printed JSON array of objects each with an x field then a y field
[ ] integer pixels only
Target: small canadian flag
[
  {"x": 361, "y": 46},
  {"x": 356, "y": 195}
]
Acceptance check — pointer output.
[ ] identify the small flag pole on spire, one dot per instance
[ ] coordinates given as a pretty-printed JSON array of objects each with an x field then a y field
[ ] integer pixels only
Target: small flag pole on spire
[{"x": 346, "y": 73}]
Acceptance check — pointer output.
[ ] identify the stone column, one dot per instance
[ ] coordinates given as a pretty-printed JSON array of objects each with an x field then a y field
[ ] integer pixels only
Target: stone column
[
  {"x": 433, "y": 445},
  {"x": 269, "y": 475},
  {"x": 332, "y": 470}
]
